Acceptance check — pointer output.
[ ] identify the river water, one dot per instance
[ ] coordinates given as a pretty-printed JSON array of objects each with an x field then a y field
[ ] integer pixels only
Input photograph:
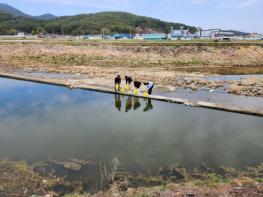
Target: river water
[{"x": 42, "y": 122}]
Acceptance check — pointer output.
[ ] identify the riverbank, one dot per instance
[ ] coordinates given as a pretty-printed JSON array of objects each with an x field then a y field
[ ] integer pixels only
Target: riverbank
[
  {"x": 53, "y": 178},
  {"x": 169, "y": 65}
]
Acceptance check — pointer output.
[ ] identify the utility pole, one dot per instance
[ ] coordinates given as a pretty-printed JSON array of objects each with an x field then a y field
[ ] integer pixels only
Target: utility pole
[{"x": 102, "y": 34}]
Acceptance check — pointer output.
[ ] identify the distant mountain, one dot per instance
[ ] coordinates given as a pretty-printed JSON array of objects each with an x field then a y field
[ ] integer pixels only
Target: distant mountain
[
  {"x": 13, "y": 21},
  {"x": 11, "y": 10},
  {"x": 45, "y": 17},
  {"x": 5, "y": 8}
]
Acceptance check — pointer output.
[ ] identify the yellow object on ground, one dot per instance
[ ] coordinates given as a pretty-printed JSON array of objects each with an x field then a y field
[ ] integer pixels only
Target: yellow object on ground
[
  {"x": 117, "y": 87},
  {"x": 145, "y": 94},
  {"x": 122, "y": 90},
  {"x": 135, "y": 91},
  {"x": 128, "y": 87}
]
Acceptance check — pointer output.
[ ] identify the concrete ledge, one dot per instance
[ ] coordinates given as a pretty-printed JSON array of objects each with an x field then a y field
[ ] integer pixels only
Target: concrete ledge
[{"x": 66, "y": 83}]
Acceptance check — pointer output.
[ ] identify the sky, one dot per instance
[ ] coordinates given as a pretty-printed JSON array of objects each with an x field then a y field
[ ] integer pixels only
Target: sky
[{"x": 243, "y": 15}]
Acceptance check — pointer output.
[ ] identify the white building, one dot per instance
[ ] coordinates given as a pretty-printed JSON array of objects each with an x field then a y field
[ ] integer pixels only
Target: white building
[
  {"x": 138, "y": 37},
  {"x": 209, "y": 34},
  {"x": 179, "y": 34},
  {"x": 21, "y": 34},
  {"x": 92, "y": 37},
  {"x": 176, "y": 34}
]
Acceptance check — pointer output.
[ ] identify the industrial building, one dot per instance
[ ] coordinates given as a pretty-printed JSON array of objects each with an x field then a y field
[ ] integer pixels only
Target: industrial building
[
  {"x": 92, "y": 37},
  {"x": 160, "y": 36},
  {"x": 218, "y": 34},
  {"x": 180, "y": 34},
  {"x": 122, "y": 36},
  {"x": 209, "y": 34}
]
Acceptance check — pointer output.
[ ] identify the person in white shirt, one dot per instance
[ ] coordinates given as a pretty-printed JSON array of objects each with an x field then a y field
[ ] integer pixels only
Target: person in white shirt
[{"x": 149, "y": 86}]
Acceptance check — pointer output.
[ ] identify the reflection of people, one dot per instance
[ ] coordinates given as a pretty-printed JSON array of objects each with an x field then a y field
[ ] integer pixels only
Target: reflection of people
[
  {"x": 136, "y": 103},
  {"x": 149, "y": 86},
  {"x": 148, "y": 106},
  {"x": 128, "y": 104},
  {"x": 118, "y": 102}
]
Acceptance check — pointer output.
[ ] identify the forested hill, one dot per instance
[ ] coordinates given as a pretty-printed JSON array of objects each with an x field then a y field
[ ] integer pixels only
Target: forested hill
[
  {"x": 108, "y": 22},
  {"x": 10, "y": 25}
]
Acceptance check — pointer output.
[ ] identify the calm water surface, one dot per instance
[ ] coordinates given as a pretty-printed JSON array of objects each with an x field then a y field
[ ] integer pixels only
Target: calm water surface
[{"x": 41, "y": 122}]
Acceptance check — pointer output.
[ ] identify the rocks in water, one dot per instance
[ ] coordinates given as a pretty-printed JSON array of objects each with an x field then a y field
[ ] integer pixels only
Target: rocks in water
[
  {"x": 72, "y": 166},
  {"x": 247, "y": 87},
  {"x": 52, "y": 167}
]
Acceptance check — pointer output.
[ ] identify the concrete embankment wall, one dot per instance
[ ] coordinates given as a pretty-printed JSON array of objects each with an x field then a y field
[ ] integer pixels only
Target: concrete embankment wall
[{"x": 66, "y": 83}]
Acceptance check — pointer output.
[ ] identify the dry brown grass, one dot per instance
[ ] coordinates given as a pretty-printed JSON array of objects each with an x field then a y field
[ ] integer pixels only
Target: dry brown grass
[
  {"x": 162, "y": 64},
  {"x": 237, "y": 188}
]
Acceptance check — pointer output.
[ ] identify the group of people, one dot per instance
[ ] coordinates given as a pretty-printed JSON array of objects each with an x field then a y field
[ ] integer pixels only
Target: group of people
[{"x": 137, "y": 84}]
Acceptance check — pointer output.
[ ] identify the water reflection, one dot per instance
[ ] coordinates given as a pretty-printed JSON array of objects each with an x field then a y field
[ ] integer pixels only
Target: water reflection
[
  {"x": 128, "y": 104},
  {"x": 137, "y": 103},
  {"x": 132, "y": 102},
  {"x": 118, "y": 102},
  {"x": 148, "y": 106},
  {"x": 40, "y": 122}
]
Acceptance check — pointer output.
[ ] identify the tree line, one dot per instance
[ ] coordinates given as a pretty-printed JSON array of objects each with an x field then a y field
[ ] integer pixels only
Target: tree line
[{"x": 106, "y": 22}]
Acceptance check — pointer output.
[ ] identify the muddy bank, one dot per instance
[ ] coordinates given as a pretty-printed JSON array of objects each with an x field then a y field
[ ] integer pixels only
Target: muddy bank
[
  {"x": 17, "y": 178},
  {"x": 77, "y": 178}
]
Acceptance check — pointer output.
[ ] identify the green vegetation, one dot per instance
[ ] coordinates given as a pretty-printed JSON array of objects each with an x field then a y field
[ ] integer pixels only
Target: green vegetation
[
  {"x": 107, "y": 22},
  {"x": 11, "y": 25}
]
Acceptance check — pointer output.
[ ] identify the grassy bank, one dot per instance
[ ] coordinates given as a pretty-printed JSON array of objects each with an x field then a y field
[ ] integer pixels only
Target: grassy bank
[
  {"x": 73, "y": 178},
  {"x": 74, "y": 42},
  {"x": 223, "y": 59}
]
